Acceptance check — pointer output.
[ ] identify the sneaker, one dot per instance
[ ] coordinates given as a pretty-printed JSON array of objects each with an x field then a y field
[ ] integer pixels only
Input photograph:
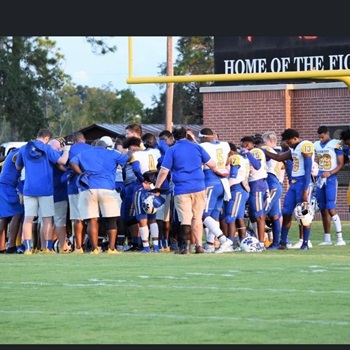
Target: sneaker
[
  {"x": 11, "y": 250},
  {"x": 209, "y": 248},
  {"x": 146, "y": 250},
  {"x": 223, "y": 246},
  {"x": 199, "y": 249},
  {"x": 326, "y": 243},
  {"x": 48, "y": 251},
  {"x": 304, "y": 247},
  {"x": 173, "y": 244},
  {"x": 78, "y": 251},
  {"x": 340, "y": 242},
  {"x": 297, "y": 245},
  {"x": 156, "y": 249},
  {"x": 114, "y": 251},
  {"x": 272, "y": 247},
  {"x": 309, "y": 244},
  {"x": 20, "y": 249},
  {"x": 95, "y": 251},
  {"x": 120, "y": 247},
  {"x": 183, "y": 251},
  {"x": 167, "y": 249},
  {"x": 282, "y": 246},
  {"x": 133, "y": 248},
  {"x": 27, "y": 252}
]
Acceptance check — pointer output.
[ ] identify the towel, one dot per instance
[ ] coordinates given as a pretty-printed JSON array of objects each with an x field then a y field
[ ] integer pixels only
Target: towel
[{"x": 226, "y": 185}]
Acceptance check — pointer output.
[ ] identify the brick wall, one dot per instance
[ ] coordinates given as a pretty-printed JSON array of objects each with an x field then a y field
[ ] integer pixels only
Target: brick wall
[{"x": 237, "y": 111}]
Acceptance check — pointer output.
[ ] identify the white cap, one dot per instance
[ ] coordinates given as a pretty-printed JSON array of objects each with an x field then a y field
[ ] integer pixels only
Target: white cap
[{"x": 107, "y": 140}]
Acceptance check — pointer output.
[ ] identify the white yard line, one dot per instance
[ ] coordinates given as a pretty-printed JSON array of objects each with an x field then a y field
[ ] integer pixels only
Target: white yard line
[{"x": 183, "y": 317}]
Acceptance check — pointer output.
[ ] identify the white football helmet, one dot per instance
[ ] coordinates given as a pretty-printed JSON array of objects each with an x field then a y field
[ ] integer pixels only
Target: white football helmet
[
  {"x": 147, "y": 204},
  {"x": 304, "y": 213},
  {"x": 250, "y": 244}
]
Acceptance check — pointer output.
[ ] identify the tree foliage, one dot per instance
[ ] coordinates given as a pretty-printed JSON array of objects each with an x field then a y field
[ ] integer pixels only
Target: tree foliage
[{"x": 29, "y": 70}]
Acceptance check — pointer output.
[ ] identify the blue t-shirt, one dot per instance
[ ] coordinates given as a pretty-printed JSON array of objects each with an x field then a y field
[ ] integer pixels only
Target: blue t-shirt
[
  {"x": 100, "y": 164},
  {"x": 9, "y": 174},
  {"x": 38, "y": 160},
  {"x": 60, "y": 187},
  {"x": 72, "y": 179},
  {"x": 185, "y": 160}
]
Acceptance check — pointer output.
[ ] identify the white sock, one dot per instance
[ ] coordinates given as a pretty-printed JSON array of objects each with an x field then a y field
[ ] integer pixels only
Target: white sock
[
  {"x": 154, "y": 232},
  {"x": 339, "y": 236},
  {"x": 337, "y": 224},
  {"x": 327, "y": 237},
  {"x": 254, "y": 227},
  {"x": 213, "y": 226},
  {"x": 210, "y": 237},
  {"x": 144, "y": 233}
]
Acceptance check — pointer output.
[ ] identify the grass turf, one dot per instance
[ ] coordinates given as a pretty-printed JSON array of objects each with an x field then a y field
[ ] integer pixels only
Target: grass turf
[{"x": 273, "y": 297}]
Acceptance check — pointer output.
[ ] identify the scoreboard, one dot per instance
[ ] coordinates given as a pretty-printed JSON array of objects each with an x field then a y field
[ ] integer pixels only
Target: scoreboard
[{"x": 268, "y": 54}]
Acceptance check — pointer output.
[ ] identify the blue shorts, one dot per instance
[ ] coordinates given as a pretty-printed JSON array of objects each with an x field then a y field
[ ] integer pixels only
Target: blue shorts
[
  {"x": 327, "y": 195},
  {"x": 293, "y": 196},
  {"x": 214, "y": 200},
  {"x": 235, "y": 207},
  {"x": 127, "y": 208},
  {"x": 276, "y": 190}
]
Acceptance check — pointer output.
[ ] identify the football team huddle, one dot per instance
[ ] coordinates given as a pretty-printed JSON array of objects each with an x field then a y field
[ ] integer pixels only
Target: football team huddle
[{"x": 176, "y": 192}]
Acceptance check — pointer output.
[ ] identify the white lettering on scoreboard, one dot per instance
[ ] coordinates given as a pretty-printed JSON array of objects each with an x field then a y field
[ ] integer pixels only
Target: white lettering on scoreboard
[{"x": 285, "y": 64}]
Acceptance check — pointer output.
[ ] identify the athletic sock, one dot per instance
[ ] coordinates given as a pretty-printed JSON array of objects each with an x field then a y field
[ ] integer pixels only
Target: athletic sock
[
  {"x": 27, "y": 244},
  {"x": 327, "y": 237},
  {"x": 284, "y": 234},
  {"x": 213, "y": 226},
  {"x": 49, "y": 244},
  {"x": 337, "y": 225},
  {"x": 276, "y": 231},
  {"x": 306, "y": 235},
  {"x": 144, "y": 232}
]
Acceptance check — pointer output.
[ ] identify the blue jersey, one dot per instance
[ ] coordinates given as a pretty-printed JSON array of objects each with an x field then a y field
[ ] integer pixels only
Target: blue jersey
[
  {"x": 38, "y": 160},
  {"x": 184, "y": 160},
  {"x": 72, "y": 179},
  {"x": 60, "y": 187},
  {"x": 9, "y": 174},
  {"x": 100, "y": 164},
  {"x": 9, "y": 199}
]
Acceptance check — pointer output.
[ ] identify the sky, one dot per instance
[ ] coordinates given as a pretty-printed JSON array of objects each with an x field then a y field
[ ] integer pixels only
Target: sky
[{"x": 87, "y": 68}]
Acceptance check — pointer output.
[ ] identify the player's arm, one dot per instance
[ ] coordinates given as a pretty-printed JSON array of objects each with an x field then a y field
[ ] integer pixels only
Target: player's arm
[
  {"x": 280, "y": 157},
  {"x": 163, "y": 173},
  {"x": 307, "y": 175}
]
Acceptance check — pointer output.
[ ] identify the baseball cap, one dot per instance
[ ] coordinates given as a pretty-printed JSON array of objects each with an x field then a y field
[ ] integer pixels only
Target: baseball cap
[{"x": 107, "y": 140}]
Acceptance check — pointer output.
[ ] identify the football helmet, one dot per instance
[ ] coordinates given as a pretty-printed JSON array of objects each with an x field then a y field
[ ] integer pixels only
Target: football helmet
[
  {"x": 304, "y": 213},
  {"x": 250, "y": 244},
  {"x": 56, "y": 245},
  {"x": 150, "y": 203}
]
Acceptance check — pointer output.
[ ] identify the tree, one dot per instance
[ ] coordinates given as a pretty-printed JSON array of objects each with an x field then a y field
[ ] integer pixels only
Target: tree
[{"x": 29, "y": 71}]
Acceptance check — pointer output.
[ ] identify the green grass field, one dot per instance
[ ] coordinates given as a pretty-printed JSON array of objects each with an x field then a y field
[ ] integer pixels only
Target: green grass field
[{"x": 273, "y": 297}]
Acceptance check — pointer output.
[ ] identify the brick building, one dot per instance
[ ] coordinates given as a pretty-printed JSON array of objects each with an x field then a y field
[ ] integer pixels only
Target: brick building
[{"x": 237, "y": 111}]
